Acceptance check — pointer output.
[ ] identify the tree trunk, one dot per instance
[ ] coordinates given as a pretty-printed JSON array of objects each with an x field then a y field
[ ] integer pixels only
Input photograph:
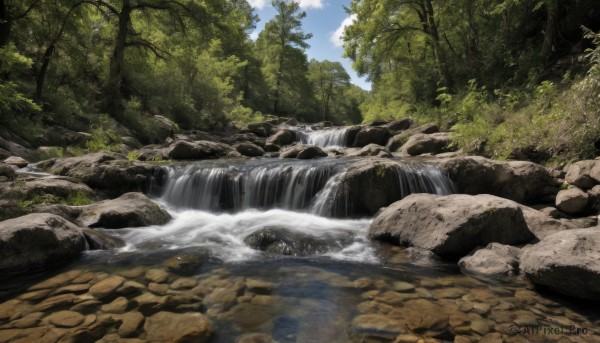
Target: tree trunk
[
  {"x": 41, "y": 76},
  {"x": 440, "y": 56},
  {"x": 550, "y": 29},
  {"x": 4, "y": 24},
  {"x": 278, "y": 84},
  {"x": 115, "y": 77}
]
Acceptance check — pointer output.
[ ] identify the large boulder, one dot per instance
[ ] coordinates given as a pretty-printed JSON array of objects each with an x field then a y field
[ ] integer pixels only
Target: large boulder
[
  {"x": 263, "y": 129},
  {"x": 434, "y": 143},
  {"x": 165, "y": 127},
  {"x": 451, "y": 225},
  {"x": 178, "y": 328},
  {"x": 371, "y": 135},
  {"x": 7, "y": 172},
  {"x": 283, "y": 137},
  {"x": 16, "y": 161},
  {"x": 401, "y": 124},
  {"x": 584, "y": 174},
  {"x": 249, "y": 149},
  {"x": 398, "y": 140},
  {"x": 243, "y": 138},
  {"x": 372, "y": 150},
  {"x": 540, "y": 224},
  {"x": 39, "y": 188},
  {"x": 303, "y": 152},
  {"x": 494, "y": 261},
  {"x": 521, "y": 181},
  {"x": 567, "y": 262},
  {"x": 572, "y": 200},
  {"x": 183, "y": 150},
  {"x": 37, "y": 240},
  {"x": 283, "y": 241},
  {"x": 107, "y": 171},
  {"x": 129, "y": 210}
]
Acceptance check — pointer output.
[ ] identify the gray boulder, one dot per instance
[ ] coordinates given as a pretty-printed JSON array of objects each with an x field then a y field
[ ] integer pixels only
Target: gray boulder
[
  {"x": 434, "y": 143},
  {"x": 493, "y": 261},
  {"x": 38, "y": 240},
  {"x": 263, "y": 129},
  {"x": 523, "y": 182},
  {"x": 372, "y": 150},
  {"x": 282, "y": 137},
  {"x": 129, "y": 210},
  {"x": 16, "y": 161},
  {"x": 398, "y": 140},
  {"x": 183, "y": 150},
  {"x": 371, "y": 135},
  {"x": 7, "y": 172},
  {"x": 451, "y": 225},
  {"x": 572, "y": 200},
  {"x": 567, "y": 262},
  {"x": 584, "y": 174},
  {"x": 249, "y": 149},
  {"x": 303, "y": 152}
]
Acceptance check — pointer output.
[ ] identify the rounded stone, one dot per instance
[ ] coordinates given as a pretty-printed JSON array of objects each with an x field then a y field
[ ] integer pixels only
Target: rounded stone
[
  {"x": 106, "y": 287},
  {"x": 66, "y": 319}
]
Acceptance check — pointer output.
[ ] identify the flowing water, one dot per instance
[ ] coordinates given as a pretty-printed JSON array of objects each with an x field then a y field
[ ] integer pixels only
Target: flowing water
[
  {"x": 331, "y": 137},
  {"x": 253, "y": 246}
]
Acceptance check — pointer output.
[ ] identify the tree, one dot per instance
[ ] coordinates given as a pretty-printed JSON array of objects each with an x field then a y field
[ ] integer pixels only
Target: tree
[
  {"x": 329, "y": 80},
  {"x": 283, "y": 43}
]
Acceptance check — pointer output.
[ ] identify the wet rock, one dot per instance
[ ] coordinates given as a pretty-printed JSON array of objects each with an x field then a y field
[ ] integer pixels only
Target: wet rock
[
  {"x": 222, "y": 297},
  {"x": 280, "y": 240},
  {"x": 259, "y": 286},
  {"x": 148, "y": 302},
  {"x": 38, "y": 240},
  {"x": 65, "y": 319},
  {"x": 184, "y": 283},
  {"x": 186, "y": 263},
  {"x": 119, "y": 305},
  {"x": 59, "y": 301},
  {"x": 132, "y": 322},
  {"x": 451, "y": 225},
  {"x": 129, "y": 210},
  {"x": 572, "y": 200},
  {"x": 480, "y": 327},
  {"x": 495, "y": 260},
  {"x": 158, "y": 288},
  {"x": 254, "y": 338},
  {"x": 523, "y": 182},
  {"x": 249, "y": 149},
  {"x": 567, "y": 262},
  {"x": 372, "y": 150},
  {"x": 16, "y": 161},
  {"x": 106, "y": 287},
  {"x": 434, "y": 143},
  {"x": 371, "y": 135},
  {"x": 584, "y": 174},
  {"x": 263, "y": 129},
  {"x": 110, "y": 172},
  {"x": 157, "y": 275},
  {"x": 173, "y": 327},
  {"x": 401, "y": 286},
  {"x": 98, "y": 240},
  {"x": 198, "y": 150},
  {"x": 282, "y": 138},
  {"x": 423, "y": 315},
  {"x": 378, "y": 324},
  {"x": 303, "y": 152},
  {"x": 397, "y": 141},
  {"x": 7, "y": 173}
]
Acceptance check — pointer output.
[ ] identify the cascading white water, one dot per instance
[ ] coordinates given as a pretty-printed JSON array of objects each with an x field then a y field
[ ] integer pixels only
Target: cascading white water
[
  {"x": 314, "y": 186},
  {"x": 333, "y": 137}
]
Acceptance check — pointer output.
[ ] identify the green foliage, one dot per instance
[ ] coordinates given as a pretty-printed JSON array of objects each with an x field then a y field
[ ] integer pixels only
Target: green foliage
[
  {"x": 11, "y": 99},
  {"x": 104, "y": 136},
  {"x": 78, "y": 199}
]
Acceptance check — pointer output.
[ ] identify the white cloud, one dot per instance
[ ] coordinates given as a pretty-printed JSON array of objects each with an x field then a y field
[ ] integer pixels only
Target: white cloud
[
  {"x": 337, "y": 38},
  {"x": 257, "y": 3},
  {"x": 310, "y": 3}
]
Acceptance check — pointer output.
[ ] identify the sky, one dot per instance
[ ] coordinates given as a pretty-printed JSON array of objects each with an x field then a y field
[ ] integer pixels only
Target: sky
[{"x": 325, "y": 19}]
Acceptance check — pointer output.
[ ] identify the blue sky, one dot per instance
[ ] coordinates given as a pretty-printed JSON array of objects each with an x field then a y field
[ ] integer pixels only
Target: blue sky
[{"x": 324, "y": 19}]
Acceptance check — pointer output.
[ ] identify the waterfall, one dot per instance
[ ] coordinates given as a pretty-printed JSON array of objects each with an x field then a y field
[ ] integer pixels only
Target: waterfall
[
  {"x": 333, "y": 137},
  {"x": 309, "y": 186}
]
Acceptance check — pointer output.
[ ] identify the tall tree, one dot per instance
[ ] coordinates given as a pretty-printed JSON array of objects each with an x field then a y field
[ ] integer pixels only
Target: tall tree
[
  {"x": 285, "y": 42},
  {"x": 329, "y": 80}
]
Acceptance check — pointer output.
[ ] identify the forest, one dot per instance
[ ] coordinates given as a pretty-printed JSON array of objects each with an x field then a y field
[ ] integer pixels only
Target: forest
[{"x": 506, "y": 77}]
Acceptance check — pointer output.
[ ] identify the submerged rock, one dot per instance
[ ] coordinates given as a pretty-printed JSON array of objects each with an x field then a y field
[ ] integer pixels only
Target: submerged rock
[
  {"x": 280, "y": 240},
  {"x": 38, "y": 240},
  {"x": 451, "y": 225},
  {"x": 495, "y": 261},
  {"x": 178, "y": 328},
  {"x": 567, "y": 262},
  {"x": 129, "y": 210}
]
